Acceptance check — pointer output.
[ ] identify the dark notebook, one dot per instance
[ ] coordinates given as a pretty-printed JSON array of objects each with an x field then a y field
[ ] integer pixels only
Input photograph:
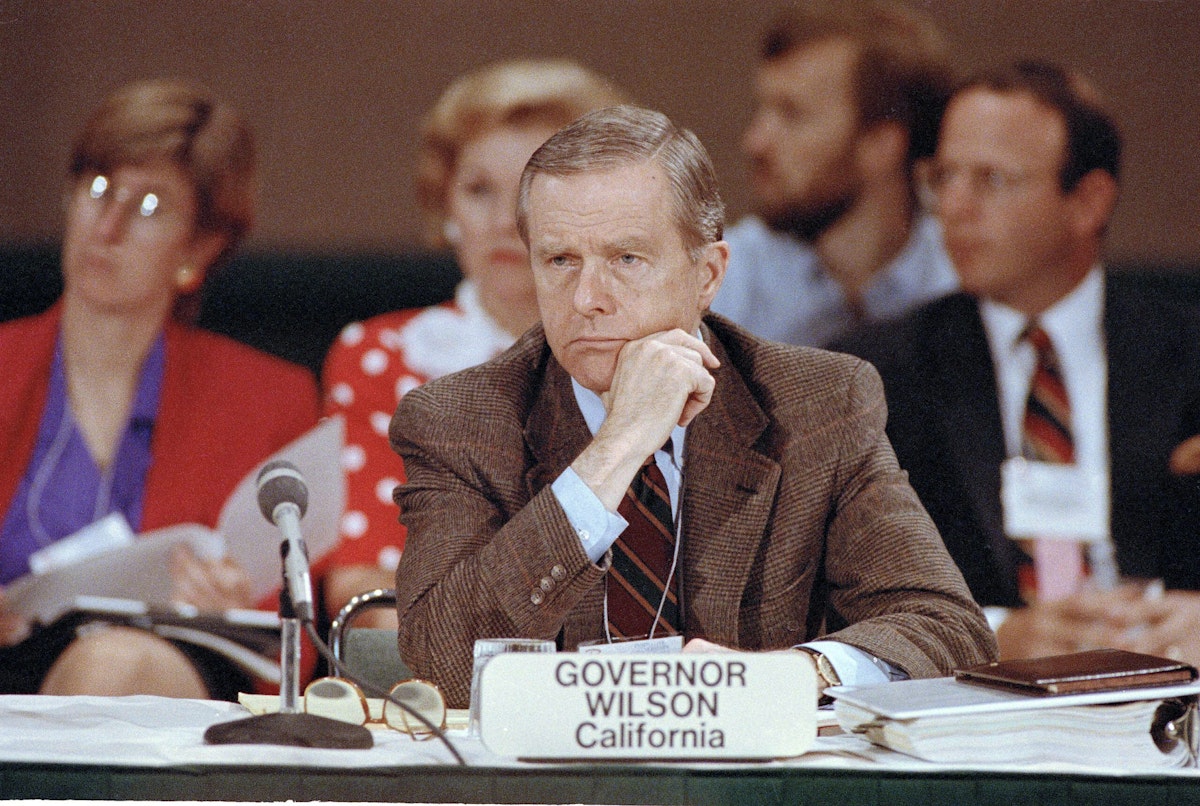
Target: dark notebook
[{"x": 1094, "y": 670}]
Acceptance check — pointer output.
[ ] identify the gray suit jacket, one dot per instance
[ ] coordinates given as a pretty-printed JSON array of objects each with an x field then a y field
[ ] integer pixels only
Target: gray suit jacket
[{"x": 796, "y": 518}]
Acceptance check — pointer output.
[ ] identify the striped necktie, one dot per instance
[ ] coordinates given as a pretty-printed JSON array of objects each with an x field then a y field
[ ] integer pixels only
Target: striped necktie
[
  {"x": 1058, "y": 565},
  {"x": 1047, "y": 431},
  {"x": 641, "y": 561}
]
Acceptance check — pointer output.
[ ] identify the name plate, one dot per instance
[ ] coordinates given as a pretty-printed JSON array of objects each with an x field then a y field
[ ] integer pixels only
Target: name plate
[{"x": 648, "y": 706}]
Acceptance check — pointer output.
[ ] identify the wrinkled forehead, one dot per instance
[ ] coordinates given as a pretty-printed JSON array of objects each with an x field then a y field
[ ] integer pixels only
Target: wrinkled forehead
[{"x": 629, "y": 204}]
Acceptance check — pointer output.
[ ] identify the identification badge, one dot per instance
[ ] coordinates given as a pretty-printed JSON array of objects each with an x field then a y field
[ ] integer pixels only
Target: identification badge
[
  {"x": 644, "y": 646},
  {"x": 1047, "y": 501}
]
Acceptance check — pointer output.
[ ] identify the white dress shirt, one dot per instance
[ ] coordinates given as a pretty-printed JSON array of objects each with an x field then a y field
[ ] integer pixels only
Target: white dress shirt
[{"x": 1075, "y": 325}]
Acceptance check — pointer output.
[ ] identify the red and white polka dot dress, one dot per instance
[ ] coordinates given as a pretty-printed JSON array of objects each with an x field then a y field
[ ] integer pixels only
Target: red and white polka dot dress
[{"x": 369, "y": 368}]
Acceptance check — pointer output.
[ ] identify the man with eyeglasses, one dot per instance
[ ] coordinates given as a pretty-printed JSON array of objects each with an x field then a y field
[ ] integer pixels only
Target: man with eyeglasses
[{"x": 1046, "y": 365}]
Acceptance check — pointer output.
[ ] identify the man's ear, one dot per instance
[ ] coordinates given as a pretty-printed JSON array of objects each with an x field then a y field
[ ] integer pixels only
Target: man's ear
[
  {"x": 1092, "y": 200},
  {"x": 711, "y": 266}
]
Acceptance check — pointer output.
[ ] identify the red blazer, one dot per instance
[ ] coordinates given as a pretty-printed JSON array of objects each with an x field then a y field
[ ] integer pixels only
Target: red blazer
[{"x": 224, "y": 408}]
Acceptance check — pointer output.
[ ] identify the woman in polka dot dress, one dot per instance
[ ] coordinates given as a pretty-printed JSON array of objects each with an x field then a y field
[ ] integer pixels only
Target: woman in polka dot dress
[{"x": 474, "y": 146}]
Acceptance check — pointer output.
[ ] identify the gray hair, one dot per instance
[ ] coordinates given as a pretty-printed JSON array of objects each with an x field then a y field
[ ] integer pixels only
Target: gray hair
[{"x": 620, "y": 136}]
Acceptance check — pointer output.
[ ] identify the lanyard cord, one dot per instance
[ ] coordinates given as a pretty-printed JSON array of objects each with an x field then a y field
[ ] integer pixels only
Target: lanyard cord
[
  {"x": 41, "y": 480},
  {"x": 678, "y": 519}
]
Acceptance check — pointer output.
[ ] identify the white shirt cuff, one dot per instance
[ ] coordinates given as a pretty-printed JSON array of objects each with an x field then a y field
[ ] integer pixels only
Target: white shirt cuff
[
  {"x": 596, "y": 526},
  {"x": 855, "y": 667}
]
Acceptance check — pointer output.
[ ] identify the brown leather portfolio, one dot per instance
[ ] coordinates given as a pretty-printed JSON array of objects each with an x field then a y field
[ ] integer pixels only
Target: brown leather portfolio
[{"x": 1094, "y": 670}]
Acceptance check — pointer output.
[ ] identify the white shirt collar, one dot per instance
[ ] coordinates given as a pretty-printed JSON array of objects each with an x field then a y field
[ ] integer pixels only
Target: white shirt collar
[{"x": 1075, "y": 320}]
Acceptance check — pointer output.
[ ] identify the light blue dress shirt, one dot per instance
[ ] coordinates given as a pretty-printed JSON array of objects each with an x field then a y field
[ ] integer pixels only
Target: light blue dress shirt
[
  {"x": 777, "y": 288},
  {"x": 598, "y": 529}
]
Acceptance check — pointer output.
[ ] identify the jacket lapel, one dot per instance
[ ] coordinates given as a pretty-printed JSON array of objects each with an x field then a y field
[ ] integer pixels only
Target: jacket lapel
[
  {"x": 1143, "y": 416},
  {"x": 729, "y": 490},
  {"x": 555, "y": 431},
  {"x": 967, "y": 401}
]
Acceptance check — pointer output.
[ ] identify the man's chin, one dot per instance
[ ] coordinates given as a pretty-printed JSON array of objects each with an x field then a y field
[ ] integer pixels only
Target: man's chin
[
  {"x": 592, "y": 368},
  {"x": 595, "y": 380}
]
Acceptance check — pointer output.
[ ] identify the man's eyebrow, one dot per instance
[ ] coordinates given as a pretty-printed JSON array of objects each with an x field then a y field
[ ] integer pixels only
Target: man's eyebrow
[
  {"x": 548, "y": 248},
  {"x": 629, "y": 243}
]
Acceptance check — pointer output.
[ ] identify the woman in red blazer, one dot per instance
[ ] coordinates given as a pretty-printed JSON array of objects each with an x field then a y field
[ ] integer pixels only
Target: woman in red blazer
[{"x": 112, "y": 402}]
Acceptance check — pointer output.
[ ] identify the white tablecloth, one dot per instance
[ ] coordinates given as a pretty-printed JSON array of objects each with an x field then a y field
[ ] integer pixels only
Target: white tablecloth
[{"x": 159, "y": 732}]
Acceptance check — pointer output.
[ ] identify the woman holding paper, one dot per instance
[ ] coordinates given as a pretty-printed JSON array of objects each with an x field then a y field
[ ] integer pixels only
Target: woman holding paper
[{"x": 114, "y": 403}]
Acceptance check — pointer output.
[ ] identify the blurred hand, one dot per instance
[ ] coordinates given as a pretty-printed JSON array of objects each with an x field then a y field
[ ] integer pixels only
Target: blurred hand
[
  {"x": 1090, "y": 619},
  {"x": 1166, "y": 627},
  {"x": 209, "y": 584},
  {"x": 14, "y": 628},
  {"x": 1185, "y": 459}
]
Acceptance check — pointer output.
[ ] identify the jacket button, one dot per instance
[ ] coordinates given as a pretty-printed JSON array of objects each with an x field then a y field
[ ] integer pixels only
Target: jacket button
[
  {"x": 558, "y": 573},
  {"x": 537, "y": 597},
  {"x": 547, "y": 584}
]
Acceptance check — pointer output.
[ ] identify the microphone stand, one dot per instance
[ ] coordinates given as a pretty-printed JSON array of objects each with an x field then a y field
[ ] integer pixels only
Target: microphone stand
[
  {"x": 289, "y": 656},
  {"x": 291, "y": 725}
]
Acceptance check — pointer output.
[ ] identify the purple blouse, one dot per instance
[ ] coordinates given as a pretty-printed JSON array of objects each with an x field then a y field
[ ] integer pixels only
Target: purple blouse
[{"x": 63, "y": 490}]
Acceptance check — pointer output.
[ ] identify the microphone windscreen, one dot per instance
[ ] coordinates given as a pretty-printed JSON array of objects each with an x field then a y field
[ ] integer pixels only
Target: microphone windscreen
[{"x": 279, "y": 482}]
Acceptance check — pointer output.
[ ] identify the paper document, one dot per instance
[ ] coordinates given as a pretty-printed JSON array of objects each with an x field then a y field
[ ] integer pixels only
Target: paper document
[
  {"x": 945, "y": 696},
  {"x": 137, "y": 570},
  {"x": 253, "y": 541},
  {"x": 950, "y": 722},
  {"x": 140, "y": 570}
]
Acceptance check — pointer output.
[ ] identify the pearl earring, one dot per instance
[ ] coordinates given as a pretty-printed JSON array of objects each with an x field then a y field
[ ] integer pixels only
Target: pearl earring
[
  {"x": 451, "y": 232},
  {"x": 185, "y": 277}
]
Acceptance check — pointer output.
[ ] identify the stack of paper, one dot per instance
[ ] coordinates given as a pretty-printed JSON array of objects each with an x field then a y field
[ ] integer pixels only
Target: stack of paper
[{"x": 947, "y": 721}]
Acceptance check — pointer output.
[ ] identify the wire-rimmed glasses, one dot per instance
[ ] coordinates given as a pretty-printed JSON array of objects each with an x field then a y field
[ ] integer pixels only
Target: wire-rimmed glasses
[{"x": 342, "y": 699}]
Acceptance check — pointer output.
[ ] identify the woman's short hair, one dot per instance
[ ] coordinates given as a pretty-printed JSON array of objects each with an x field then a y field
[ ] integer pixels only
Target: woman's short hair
[
  {"x": 621, "y": 136},
  {"x": 184, "y": 124},
  {"x": 518, "y": 93}
]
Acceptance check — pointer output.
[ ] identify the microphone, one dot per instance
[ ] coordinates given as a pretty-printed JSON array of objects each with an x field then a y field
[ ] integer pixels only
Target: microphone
[{"x": 283, "y": 499}]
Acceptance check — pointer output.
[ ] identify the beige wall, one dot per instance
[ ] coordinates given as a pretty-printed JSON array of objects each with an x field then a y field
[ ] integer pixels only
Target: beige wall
[{"x": 336, "y": 89}]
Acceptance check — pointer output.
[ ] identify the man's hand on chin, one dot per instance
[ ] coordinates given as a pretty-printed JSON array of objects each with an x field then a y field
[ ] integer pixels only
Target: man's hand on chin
[{"x": 660, "y": 381}]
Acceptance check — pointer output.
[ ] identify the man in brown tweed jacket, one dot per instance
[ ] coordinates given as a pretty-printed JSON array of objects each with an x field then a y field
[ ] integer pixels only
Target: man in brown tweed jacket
[{"x": 796, "y": 523}]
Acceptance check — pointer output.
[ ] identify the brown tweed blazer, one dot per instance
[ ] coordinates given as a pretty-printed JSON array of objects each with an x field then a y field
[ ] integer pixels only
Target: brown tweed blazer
[{"x": 797, "y": 520}]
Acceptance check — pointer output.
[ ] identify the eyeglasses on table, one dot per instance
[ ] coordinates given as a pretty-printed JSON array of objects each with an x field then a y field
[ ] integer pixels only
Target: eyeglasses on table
[{"x": 342, "y": 699}]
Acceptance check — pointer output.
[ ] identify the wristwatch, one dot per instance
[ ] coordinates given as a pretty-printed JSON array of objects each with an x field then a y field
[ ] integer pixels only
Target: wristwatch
[{"x": 826, "y": 675}]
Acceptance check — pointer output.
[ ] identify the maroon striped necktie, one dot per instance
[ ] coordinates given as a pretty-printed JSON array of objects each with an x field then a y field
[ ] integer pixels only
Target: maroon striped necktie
[
  {"x": 1058, "y": 566},
  {"x": 641, "y": 561},
  {"x": 1047, "y": 434}
]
